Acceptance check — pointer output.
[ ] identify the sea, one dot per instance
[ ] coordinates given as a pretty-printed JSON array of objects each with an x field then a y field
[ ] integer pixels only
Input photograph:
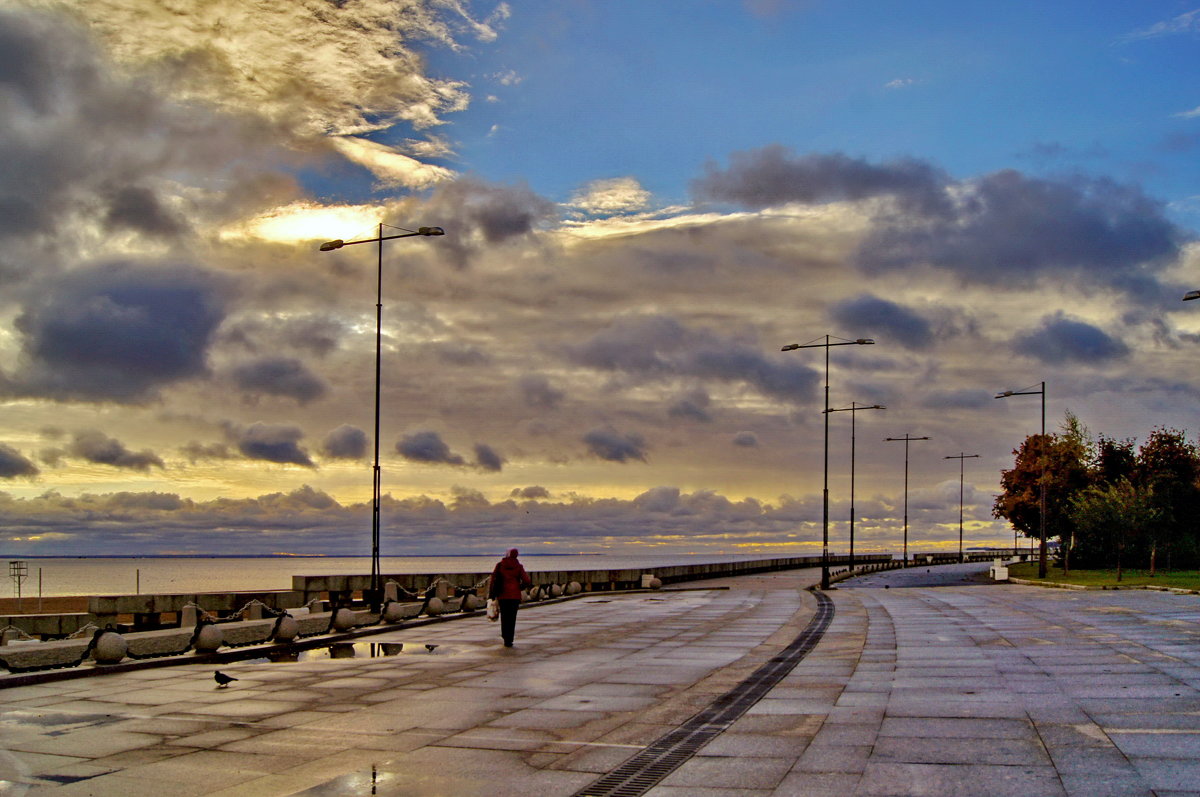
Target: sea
[{"x": 55, "y": 576}]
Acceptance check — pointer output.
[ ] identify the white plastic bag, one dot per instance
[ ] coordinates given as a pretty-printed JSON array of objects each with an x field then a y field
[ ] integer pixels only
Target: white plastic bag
[{"x": 493, "y": 610}]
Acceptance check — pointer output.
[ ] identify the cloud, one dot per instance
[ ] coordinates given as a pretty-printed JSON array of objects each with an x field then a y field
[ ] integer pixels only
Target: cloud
[
  {"x": 1061, "y": 341},
  {"x": 530, "y": 493},
  {"x": 427, "y": 447},
  {"x": 871, "y": 316},
  {"x": 612, "y": 196},
  {"x": 487, "y": 458},
  {"x": 537, "y": 392},
  {"x": 118, "y": 331},
  {"x": 95, "y": 446},
  {"x": 310, "y": 67},
  {"x": 345, "y": 442},
  {"x": 392, "y": 168},
  {"x": 659, "y": 347},
  {"x": 774, "y": 175},
  {"x": 1006, "y": 226},
  {"x": 745, "y": 440},
  {"x": 271, "y": 442},
  {"x": 14, "y": 464},
  {"x": 609, "y": 444},
  {"x": 1192, "y": 114},
  {"x": 693, "y": 406},
  {"x": 965, "y": 398},
  {"x": 899, "y": 83},
  {"x": 478, "y": 215},
  {"x": 279, "y": 376},
  {"x": 1187, "y": 22}
]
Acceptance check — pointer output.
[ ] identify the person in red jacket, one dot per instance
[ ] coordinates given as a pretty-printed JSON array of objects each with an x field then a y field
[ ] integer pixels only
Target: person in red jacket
[{"x": 508, "y": 579}]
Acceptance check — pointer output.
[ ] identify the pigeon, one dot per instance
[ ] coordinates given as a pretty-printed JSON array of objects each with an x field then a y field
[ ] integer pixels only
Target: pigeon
[
  {"x": 222, "y": 679},
  {"x": 430, "y": 648}
]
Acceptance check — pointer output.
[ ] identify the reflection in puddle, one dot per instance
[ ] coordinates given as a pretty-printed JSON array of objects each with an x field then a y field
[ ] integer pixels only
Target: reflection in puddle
[{"x": 348, "y": 650}]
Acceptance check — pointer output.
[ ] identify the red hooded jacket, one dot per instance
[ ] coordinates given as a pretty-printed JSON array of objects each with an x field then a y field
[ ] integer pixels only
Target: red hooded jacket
[{"x": 508, "y": 579}]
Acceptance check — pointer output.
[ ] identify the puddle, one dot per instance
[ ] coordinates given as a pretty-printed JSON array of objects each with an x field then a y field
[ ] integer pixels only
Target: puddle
[{"x": 355, "y": 650}]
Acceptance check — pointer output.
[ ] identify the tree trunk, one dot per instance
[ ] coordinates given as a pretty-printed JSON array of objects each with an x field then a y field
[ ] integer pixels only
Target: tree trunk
[
  {"x": 1119, "y": 549},
  {"x": 1153, "y": 555}
]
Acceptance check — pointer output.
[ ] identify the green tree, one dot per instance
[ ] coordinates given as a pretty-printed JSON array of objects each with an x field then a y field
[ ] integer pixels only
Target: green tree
[
  {"x": 1111, "y": 517},
  {"x": 1168, "y": 466}
]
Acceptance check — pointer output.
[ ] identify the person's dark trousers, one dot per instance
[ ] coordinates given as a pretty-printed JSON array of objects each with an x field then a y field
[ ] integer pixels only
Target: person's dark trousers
[{"x": 508, "y": 619}]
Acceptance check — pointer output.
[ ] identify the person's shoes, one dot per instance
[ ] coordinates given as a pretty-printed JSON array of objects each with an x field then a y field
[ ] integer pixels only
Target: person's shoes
[{"x": 507, "y": 644}]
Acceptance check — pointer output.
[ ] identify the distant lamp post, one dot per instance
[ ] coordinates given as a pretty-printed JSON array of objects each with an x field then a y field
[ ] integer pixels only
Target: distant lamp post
[
  {"x": 329, "y": 246},
  {"x": 825, "y": 489},
  {"x": 907, "y": 439},
  {"x": 853, "y": 409},
  {"x": 1187, "y": 297},
  {"x": 960, "y": 457},
  {"x": 1029, "y": 391}
]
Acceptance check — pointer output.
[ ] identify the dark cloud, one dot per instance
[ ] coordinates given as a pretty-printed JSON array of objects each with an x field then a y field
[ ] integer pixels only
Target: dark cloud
[
  {"x": 658, "y": 347},
  {"x": 609, "y": 444},
  {"x": 427, "y": 447},
  {"x": 1061, "y": 340},
  {"x": 966, "y": 398},
  {"x": 870, "y": 316},
  {"x": 530, "y": 493},
  {"x": 345, "y": 442},
  {"x": 316, "y": 334},
  {"x": 746, "y": 440},
  {"x": 198, "y": 452},
  {"x": 272, "y": 442},
  {"x": 477, "y": 215},
  {"x": 693, "y": 406},
  {"x": 487, "y": 458},
  {"x": 279, "y": 376},
  {"x": 118, "y": 332},
  {"x": 775, "y": 175},
  {"x": 462, "y": 354},
  {"x": 536, "y": 391},
  {"x": 14, "y": 464},
  {"x": 95, "y": 446},
  {"x": 658, "y": 499},
  {"x": 1006, "y": 227},
  {"x": 81, "y": 143}
]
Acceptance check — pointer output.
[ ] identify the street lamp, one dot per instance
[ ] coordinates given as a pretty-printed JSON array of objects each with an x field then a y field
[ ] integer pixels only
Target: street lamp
[
  {"x": 853, "y": 409},
  {"x": 1029, "y": 391},
  {"x": 960, "y": 457},
  {"x": 907, "y": 439},
  {"x": 329, "y": 246},
  {"x": 1187, "y": 297},
  {"x": 825, "y": 489}
]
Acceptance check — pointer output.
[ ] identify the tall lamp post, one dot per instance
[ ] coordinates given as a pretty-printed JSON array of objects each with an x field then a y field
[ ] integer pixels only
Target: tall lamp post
[
  {"x": 907, "y": 439},
  {"x": 329, "y": 246},
  {"x": 853, "y": 409},
  {"x": 960, "y": 457},
  {"x": 825, "y": 489},
  {"x": 1029, "y": 391}
]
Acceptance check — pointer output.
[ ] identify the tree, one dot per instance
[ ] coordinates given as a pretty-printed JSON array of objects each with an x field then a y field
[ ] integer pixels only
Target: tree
[
  {"x": 1062, "y": 462},
  {"x": 1111, "y": 516},
  {"x": 1168, "y": 466}
]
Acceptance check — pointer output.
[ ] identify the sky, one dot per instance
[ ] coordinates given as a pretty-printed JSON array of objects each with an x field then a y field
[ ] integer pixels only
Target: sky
[{"x": 643, "y": 203}]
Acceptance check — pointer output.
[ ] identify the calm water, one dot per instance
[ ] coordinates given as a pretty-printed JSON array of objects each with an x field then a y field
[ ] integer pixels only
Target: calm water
[{"x": 91, "y": 576}]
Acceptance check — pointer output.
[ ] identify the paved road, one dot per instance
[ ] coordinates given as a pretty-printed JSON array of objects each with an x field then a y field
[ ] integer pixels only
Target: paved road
[{"x": 938, "y": 690}]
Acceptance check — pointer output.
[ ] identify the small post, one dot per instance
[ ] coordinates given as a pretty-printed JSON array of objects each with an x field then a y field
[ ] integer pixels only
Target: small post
[
  {"x": 138, "y": 582},
  {"x": 39, "y": 590}
]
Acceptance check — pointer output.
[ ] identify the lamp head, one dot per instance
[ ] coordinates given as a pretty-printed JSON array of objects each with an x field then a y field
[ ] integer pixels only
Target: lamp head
[
  {"x": 1187, "y": 297},
  {"x": 329, "y": 246},
  {"x": 865, "y": 341},
  {"x": 1005, "y": 394},
  {"x": 791, "y": 347},
  {"x": 431, "y": 231}
]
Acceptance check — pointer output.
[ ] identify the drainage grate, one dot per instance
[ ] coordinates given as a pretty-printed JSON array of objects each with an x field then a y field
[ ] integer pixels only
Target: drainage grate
[{"x": 663, "y": 756}]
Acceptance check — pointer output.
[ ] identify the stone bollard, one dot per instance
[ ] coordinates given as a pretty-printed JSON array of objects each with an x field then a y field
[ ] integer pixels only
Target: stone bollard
[
  {"x": 442, "y": 589},
  {"x": 344, "y": 619},
  {"x": 110, "y": 648},
  {"x": 393, "y": 612},
  {"x": 574, "y": 588},
  {"x": 209, "y": 639},
  {"x": 651, "y": 581},
  {"x": 256, "y": 611},
  {"x": 556, "y": 590},
  {"x": 287, "y": 630},
  {"x": 9, "y": 635},
  {"x": 435, "y": 607},
  {"x": 391, "y": 592},
  {"x": 188, "y": 617},
  {"x": 470, "y": 603}
]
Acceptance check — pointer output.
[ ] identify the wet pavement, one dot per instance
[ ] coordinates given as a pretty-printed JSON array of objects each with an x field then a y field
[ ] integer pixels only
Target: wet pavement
[{"x": 924, "y": 683}]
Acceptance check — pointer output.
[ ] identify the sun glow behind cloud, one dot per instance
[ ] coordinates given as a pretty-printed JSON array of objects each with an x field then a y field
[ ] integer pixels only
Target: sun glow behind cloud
[{"x": 306, "y": 221}]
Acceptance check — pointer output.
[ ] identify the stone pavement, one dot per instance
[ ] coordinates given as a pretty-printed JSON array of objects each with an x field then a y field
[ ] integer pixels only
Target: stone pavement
[{"x": 951, "y": 690}]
